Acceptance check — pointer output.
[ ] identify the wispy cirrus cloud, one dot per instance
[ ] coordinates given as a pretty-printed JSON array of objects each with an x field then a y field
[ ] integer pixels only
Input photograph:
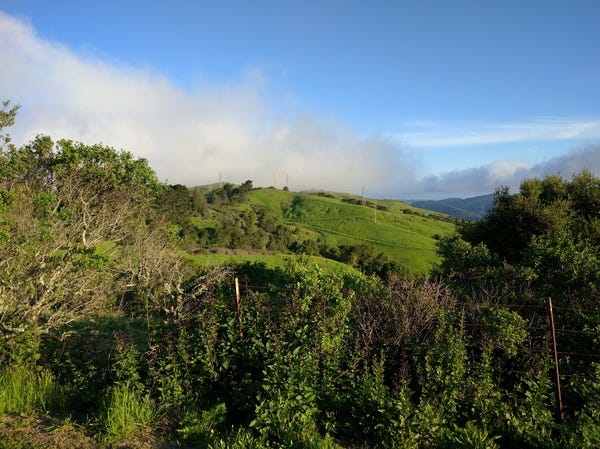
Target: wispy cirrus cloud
[{"x": 453, "y": 134}]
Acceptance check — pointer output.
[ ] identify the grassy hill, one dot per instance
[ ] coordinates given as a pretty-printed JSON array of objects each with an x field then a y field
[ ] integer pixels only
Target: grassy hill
[
  {"x": 404, "y": 233},
  {"x": 270, "y": 261}
]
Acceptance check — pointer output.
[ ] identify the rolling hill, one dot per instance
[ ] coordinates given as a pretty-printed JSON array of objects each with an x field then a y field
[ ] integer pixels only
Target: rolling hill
[
  {"x": 474, "y": 208},
  {"x": 402, "y": 232}
]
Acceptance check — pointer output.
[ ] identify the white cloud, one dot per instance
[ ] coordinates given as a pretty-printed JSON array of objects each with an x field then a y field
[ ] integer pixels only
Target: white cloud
[
  {"x": 188, "y": 136},
  {"x": 574, "y": 161},
  {"x": 485, "y": 179},
  {"x": 498, "y": 171}
]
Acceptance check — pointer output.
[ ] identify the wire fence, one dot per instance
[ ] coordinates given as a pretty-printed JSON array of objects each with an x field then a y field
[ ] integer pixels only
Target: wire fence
[{"x": 569, "y": 330}]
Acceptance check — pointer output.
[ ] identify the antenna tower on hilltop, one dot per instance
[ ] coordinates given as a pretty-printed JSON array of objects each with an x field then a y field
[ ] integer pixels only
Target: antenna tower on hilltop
[{"x": 276, "y": 176}]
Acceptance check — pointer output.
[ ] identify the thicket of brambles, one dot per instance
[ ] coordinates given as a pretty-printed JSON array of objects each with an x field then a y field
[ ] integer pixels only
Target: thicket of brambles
[{"x": 102, "y": 322}]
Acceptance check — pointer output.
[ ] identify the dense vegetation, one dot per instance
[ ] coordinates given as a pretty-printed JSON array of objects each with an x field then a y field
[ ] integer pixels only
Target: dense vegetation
[{"x": 110, "y": 338}]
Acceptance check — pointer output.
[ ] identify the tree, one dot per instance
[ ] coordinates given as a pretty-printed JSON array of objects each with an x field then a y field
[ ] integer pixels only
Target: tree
[
  {"x": 199, "y": 203},
  {"x": 550, "y": 206},
  {"x": 7, "y": 119},
  {"x": 101, "y": 190},
  {"x": 543, "y": 239}
]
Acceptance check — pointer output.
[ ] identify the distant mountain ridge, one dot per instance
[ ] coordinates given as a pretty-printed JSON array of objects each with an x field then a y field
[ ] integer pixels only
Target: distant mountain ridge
[{"x": 474, "y": 208}]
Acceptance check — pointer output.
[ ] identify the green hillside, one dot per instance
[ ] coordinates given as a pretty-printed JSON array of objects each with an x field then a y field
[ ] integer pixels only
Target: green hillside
[
  {"x": 405, "y": 234},
  {"x": 269, "y": 261}
]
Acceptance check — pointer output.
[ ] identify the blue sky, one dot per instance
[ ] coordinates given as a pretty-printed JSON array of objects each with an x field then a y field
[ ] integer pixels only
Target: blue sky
[{"x": 411, "y": 99}]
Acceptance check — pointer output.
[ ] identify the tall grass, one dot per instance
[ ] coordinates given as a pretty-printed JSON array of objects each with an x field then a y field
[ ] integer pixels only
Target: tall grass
[
  {"x": 24, "y": 391},
  {"x": 127, "y": 409}
]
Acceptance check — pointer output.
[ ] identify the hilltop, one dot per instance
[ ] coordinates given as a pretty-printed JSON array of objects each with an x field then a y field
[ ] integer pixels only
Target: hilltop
[{"x": 266, "y": 223}]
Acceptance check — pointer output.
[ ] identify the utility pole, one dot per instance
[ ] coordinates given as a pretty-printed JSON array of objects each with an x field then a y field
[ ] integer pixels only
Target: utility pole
[
  {"x": 363, "y": 196},
  {"x": 375, "y": 211}
]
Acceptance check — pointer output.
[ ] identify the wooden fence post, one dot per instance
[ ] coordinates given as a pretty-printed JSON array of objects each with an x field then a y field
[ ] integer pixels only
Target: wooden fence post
[
  {"x": 239, "y": 305},
  {"x": 561, "y": 415}
]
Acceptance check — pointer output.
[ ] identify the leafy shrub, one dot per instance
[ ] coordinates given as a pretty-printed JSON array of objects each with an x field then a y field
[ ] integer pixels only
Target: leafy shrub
[
  {"x": 288, "y": 410},
  {"x": 200, "y": 428},
  {"x": 85, "y": 356},
  {"x": 442, "y": 369},
  {"x": 530, "y": 421},
  {"x": 471, "y": 437},
  {"x": 503, "y": 330},
  {"x": 586, "y": 435},
  {"x": 239, "y": 439}
]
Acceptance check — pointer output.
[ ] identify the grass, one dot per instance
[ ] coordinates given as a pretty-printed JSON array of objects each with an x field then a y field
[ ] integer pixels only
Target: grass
[
  {"x": 28, "y": 392},
  {"x": 24, "y": 391},
  {"x": 270, "y": 261},
  {"x": 402, "y": 232},
  {"x": 127, "y": 411},
  {"x": 42, "y": 432},
  {"x": 404, "y": 236}
]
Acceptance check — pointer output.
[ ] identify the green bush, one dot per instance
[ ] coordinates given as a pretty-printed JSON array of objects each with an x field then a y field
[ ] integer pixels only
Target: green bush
[
  {"x": 586, "y": 434},
  {"x": 530, "y": 420},
  {"x": 471, "y": 437},
  {"x": 201, "y": 428},
  {"x": 239, "y": 439},
  {"x": 288, "y": 409}
]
